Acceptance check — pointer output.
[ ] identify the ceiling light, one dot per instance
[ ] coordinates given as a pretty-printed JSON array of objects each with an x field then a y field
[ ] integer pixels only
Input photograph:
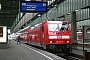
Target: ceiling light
[
  {"x": 0, "y": 6},
  {"x": 39, "y": 15},
  {"x": 76, "y": 10},
  {"x": 69, "y": 13}
]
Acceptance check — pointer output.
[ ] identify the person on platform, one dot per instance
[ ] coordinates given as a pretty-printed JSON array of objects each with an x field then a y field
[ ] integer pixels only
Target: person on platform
[{"x": 18, "y": 40}]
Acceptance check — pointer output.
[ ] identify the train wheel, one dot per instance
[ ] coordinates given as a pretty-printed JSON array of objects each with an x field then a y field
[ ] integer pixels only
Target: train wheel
[
  {"x": 56, "y": 50},
  {"x": 60, "y": 50},
  {"x": 47, "y": 48},
  {"x": 68, "y": 50}
]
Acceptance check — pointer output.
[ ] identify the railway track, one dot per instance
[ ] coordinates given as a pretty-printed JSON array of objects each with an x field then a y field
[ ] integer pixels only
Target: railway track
[
  {"x": 67, "y": 56},
  {"x": 70, "y": 56},
  {"x": 73, "y": 58}
]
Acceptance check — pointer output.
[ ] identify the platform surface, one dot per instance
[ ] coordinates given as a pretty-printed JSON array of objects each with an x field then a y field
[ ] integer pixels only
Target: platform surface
[{"x": 23, "y": 52}]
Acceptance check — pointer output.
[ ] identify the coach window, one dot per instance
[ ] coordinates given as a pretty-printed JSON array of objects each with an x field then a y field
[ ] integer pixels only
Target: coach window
[{"x": 42, "y": 29}]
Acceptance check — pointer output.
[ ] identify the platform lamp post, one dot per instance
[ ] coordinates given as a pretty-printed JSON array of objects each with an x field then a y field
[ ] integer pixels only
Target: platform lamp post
[
  {"x": 84, "y": 52},
  {"x": 83, "y": 38}
]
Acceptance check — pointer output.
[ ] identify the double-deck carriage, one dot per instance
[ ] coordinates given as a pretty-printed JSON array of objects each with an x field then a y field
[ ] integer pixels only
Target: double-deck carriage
[{"x": 24, "y": 35}]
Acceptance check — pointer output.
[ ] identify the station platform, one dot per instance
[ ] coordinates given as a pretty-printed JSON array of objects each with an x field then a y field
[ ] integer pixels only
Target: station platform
[
  {"x": 80, "y": 53},
  {"x": 25, "y": 52},
  {"x": 79, "y": 50}
]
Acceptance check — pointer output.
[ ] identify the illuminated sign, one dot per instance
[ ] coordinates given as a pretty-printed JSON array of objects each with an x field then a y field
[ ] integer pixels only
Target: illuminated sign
[
  {"x": 33, "y": 6},
  {"x": 1, "y": 31},
  {"x": 3, "y": 34}
]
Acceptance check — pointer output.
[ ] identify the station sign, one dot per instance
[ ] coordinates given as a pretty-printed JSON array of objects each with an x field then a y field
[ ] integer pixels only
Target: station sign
[{"x": 33, "y": 6}]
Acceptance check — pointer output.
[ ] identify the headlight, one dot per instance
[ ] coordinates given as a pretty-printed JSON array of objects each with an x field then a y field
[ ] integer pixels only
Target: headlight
[
  {"x": 50, "y": 41},
  {"x": 52, "y": 37},
  {"x": 65, "y": 37},
  {"x": 67, "y": 41}
]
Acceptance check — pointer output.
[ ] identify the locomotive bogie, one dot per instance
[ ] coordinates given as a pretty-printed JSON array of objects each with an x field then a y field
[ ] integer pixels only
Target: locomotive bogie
[{"x": 59, "y": 48}]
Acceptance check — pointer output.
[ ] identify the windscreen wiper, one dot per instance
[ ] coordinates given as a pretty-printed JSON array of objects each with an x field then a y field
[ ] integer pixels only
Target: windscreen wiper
[{"x": 57, "y": 28}]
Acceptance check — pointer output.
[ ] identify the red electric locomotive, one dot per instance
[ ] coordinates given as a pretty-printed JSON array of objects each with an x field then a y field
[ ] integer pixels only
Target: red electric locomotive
[{"x": 51, "y": 35}]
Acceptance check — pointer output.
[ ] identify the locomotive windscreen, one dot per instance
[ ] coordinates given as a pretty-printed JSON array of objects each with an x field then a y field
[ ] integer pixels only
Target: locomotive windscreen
[
  {"x": 64, "y": 26},
  {"x": 57, "y": 26},
  {"x": 64, "y": 23}
]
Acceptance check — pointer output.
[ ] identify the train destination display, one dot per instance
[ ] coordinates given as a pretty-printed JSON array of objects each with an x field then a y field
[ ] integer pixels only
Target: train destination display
[{"x": 33, "y": 6}]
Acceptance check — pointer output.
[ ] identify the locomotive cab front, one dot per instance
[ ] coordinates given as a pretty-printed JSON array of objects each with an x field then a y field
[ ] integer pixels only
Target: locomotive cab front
[{"x": 59, "y": 36}]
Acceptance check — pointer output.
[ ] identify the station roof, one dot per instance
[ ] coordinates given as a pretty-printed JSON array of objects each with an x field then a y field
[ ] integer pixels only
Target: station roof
[{"x": 8, "y": 12}]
